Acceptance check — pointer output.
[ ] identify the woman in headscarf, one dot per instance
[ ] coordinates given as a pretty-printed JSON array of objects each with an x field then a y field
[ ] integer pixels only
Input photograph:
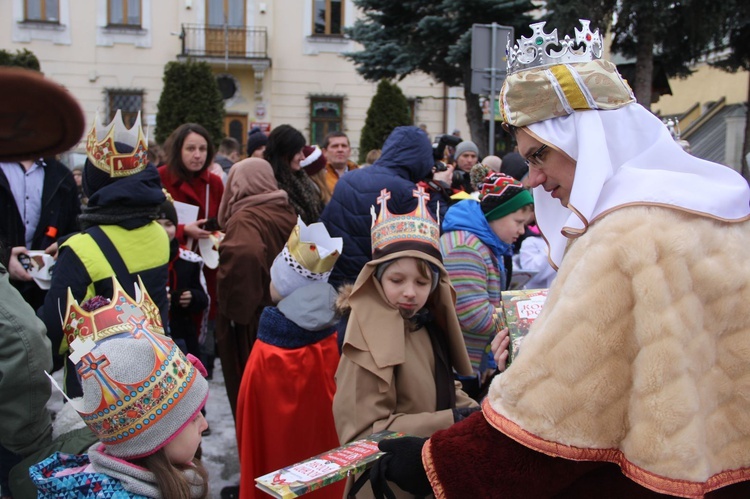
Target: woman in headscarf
[
  {"x": 284, "y": 152},
  {"x": 257, "y": 218}
]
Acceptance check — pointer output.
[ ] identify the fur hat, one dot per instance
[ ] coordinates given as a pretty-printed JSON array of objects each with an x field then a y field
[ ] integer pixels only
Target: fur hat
[
  {"x": 465, "y": 146},
  {"x": 39, "y": 117},
  {"x": 501, "y": 195},
  {"x": 314, "y": 160},
  {"x": 255, "y": 139},
  {"x": 139, "y": 390},
  {"x": 308, "y": 256}
]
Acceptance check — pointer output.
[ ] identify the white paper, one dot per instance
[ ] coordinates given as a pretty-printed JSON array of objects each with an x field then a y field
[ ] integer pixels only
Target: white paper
[{"x": 186, "y": 213}]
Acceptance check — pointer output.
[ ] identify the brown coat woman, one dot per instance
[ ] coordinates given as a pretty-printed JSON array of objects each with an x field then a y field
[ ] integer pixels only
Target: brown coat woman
[{"x": 257, "y": 218}]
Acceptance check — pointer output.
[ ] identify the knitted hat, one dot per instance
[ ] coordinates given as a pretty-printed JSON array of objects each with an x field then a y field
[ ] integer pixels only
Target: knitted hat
[
  {"x": 514, "y": 165},
  {"x": 255, "y": 139},
  {"x": 314, "y": 159},
  {"x": 417, "y": 230},
  {"x": 501, "y": 195},
  {"x": 465, "y": 146},
  {"x": 139, "y": 390},
  {"x": 167, "y": 211},
  {"x": 307, "y": 257}
]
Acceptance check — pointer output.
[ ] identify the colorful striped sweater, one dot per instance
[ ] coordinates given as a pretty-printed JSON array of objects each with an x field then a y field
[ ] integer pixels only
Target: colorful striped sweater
[{"x": 475, "y": 274}]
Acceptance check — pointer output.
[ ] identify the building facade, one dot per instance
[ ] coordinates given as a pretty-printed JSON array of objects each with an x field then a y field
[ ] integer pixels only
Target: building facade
[{"x": 275, "y": 61}]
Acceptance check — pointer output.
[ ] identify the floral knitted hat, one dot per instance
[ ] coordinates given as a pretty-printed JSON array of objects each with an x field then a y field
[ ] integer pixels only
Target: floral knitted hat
[
  {"x": 501, "y": 195},
  {"x": 139, "y": 390}
]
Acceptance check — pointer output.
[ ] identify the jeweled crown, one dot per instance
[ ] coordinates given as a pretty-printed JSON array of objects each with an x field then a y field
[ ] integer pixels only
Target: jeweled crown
[
  {"x": 120, "y": 315},
  {"x": 545, "y": 49},
  {"x": 102, "y": 150},
  {"x": 415, "y": 230}
]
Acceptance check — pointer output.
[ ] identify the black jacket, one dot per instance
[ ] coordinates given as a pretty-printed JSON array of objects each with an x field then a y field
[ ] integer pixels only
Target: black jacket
[{"x": 58, "y": 218}]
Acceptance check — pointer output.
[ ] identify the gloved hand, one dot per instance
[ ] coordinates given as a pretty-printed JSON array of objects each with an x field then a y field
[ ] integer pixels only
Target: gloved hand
[
  {"x": 460, "y": 413},
  {"x": 402, "y": 465}
]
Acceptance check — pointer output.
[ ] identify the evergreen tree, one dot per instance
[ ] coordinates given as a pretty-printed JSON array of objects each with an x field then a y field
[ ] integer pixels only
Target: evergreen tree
[
  {"x": 400, "y": 38},
  {"x": 388, "y": 109},
  {"x": 190, "y": 95},
  {"x": 22, "y": 58}
]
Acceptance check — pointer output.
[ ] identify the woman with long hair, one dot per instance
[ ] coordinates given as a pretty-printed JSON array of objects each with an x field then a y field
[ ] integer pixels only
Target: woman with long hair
[
  {"x": 284, "y": 152},
  {"x": 189, "y": 154}
]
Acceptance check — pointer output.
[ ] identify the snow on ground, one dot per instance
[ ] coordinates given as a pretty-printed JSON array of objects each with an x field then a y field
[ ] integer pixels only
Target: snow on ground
[{"x": 219, "y": 448}]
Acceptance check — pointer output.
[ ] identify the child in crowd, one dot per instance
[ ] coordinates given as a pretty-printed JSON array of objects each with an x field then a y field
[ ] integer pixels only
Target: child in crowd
[
  {"x": 186, "y": 286},
  {"x": 284, "y": 406},
  {"x": 403, "y": 340},
  {"x": 476, "y": 243},
  {"x": 141, "y": 397}
]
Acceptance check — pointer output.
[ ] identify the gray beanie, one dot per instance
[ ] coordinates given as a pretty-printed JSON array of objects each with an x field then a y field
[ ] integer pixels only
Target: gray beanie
[{"x": 466, "y": 146}]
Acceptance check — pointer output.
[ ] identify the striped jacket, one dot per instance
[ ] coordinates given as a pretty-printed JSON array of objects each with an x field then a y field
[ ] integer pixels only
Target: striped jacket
[{"x": 475, "y": 274}]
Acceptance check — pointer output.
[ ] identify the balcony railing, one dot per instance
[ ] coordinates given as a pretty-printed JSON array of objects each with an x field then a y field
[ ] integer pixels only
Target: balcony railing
[{"x": 232, "y": 42}]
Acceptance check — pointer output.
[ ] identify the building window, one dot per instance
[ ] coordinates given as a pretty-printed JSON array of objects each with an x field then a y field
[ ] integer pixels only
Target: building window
[
  {"x": 124, "y": 13},
  {"x": 325, "y": 117},
  {"x": 328, "y": 17},
  {"x": 129, "y": 102},
  {"x": 42, "y": 11}
]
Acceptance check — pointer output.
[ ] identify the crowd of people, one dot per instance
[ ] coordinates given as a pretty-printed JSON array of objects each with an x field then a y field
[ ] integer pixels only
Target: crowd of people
[{"x": 346, "y": 299}]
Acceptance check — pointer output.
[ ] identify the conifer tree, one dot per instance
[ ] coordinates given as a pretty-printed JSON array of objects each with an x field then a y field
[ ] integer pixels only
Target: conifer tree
[
  {"x": 400, "y": 38},
  {"x": 388, "y": 109},
  {"x": 190, "y": 95},
  {"x": 22, "y": 59}
]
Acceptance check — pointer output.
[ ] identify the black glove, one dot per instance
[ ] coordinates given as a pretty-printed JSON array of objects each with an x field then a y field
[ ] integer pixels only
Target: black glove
[
  {"x": 461, "y": 413},
  {"x": 402, "y": 465}
]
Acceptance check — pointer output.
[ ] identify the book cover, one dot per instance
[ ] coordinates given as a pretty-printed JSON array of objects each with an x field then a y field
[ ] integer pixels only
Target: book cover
[
  {"x": 519, "y": 310},
  {"x": 324, "y": 469}
]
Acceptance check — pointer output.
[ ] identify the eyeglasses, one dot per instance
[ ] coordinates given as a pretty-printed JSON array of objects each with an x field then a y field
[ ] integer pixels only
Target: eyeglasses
[{"x": 533, "y": 158}]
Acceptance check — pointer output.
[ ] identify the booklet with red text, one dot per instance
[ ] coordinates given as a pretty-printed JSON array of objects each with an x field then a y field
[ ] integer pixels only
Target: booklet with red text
[
  {"x": 519, "y": 310},
  {"x": 324, "y": 469}
]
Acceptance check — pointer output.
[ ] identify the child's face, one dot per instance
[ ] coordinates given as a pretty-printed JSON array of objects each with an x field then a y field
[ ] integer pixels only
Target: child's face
[
  {"x": 181, "y": 449},
  {"x": 511, "y": 227},
  {"x": 169, "y": 227},
  {"x": 405, "y": 287}
]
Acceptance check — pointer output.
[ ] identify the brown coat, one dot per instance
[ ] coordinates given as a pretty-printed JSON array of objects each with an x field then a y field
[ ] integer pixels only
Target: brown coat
[
  {"x": 254, "y": 236},
  {"x": 386, "y": 376}
]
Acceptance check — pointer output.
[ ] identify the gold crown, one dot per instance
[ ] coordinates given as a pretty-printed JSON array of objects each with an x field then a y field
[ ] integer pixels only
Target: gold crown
[
  {"x": 101, "y": 147},
  {"x": 305, "y": 244},
  {"x": 122, "y": 314},
  {"x": 399, "y": 232}
]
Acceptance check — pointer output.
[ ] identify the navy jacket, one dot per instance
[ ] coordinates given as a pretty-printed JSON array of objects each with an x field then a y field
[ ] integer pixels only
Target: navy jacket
[{"x": 406, "y": 159}]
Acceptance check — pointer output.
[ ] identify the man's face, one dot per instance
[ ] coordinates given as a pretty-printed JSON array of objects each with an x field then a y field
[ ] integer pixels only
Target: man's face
[
  {"x": 552, "y": 169},
  {"x": 466, "y": 161},
  {"x": 338, "y": 151}
]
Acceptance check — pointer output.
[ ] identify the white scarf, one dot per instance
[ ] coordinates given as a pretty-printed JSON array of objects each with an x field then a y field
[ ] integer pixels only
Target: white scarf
[{"x": 624, "y": 157}]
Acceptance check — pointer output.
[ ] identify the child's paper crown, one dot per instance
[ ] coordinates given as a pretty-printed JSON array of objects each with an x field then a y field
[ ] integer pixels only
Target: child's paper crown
[
  {"x": 308, "y": 256},
  {"x": 102, "y": 150},
  {"x": 417, "y": 230},
  {"x": 139, "y": 390}
]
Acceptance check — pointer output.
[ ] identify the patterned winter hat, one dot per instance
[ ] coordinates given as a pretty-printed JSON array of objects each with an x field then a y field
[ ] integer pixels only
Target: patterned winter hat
[
  {"x": 139, "y": 390},
  {"x": 308, "y": 256},
  {"x": 501, "y": 195}
]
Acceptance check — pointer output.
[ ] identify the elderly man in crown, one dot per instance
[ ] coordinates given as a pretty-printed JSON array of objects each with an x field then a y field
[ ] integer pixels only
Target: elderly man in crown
[{"x": 633, "y": 381}]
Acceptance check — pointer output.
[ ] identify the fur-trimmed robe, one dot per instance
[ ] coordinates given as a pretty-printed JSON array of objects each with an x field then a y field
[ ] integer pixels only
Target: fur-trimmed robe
[{"x": 641, "y": 357}]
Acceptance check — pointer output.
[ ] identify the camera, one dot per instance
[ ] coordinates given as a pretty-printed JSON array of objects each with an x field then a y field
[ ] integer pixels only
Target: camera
[{"x": 438, "y": 150}]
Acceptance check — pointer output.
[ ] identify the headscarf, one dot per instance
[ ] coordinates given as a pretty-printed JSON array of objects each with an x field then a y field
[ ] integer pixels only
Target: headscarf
[
  {"x": 250, "y": 182},
  {"x": 627, "y": 157}
]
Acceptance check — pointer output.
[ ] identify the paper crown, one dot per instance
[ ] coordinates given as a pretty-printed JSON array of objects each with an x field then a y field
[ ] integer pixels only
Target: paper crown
[
  {"x": 545, "y": 49},
  {"x": 416, "y": 230},
  {"x": 120, "y": 315},
  {"x": 102, "y": 150},
  {"x": 545, "y": 83},
  {"x": 139, "y": 390}
]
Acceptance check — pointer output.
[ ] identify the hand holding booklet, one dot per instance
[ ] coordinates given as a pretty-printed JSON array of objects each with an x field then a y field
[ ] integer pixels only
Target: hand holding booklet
[
  {"x": 324, "y": 469},
  {"x": 518, "y": 311}
]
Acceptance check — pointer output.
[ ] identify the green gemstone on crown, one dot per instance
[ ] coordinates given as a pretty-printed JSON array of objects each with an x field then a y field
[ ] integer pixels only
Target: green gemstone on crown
[{"x": 539, "y": 40}]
